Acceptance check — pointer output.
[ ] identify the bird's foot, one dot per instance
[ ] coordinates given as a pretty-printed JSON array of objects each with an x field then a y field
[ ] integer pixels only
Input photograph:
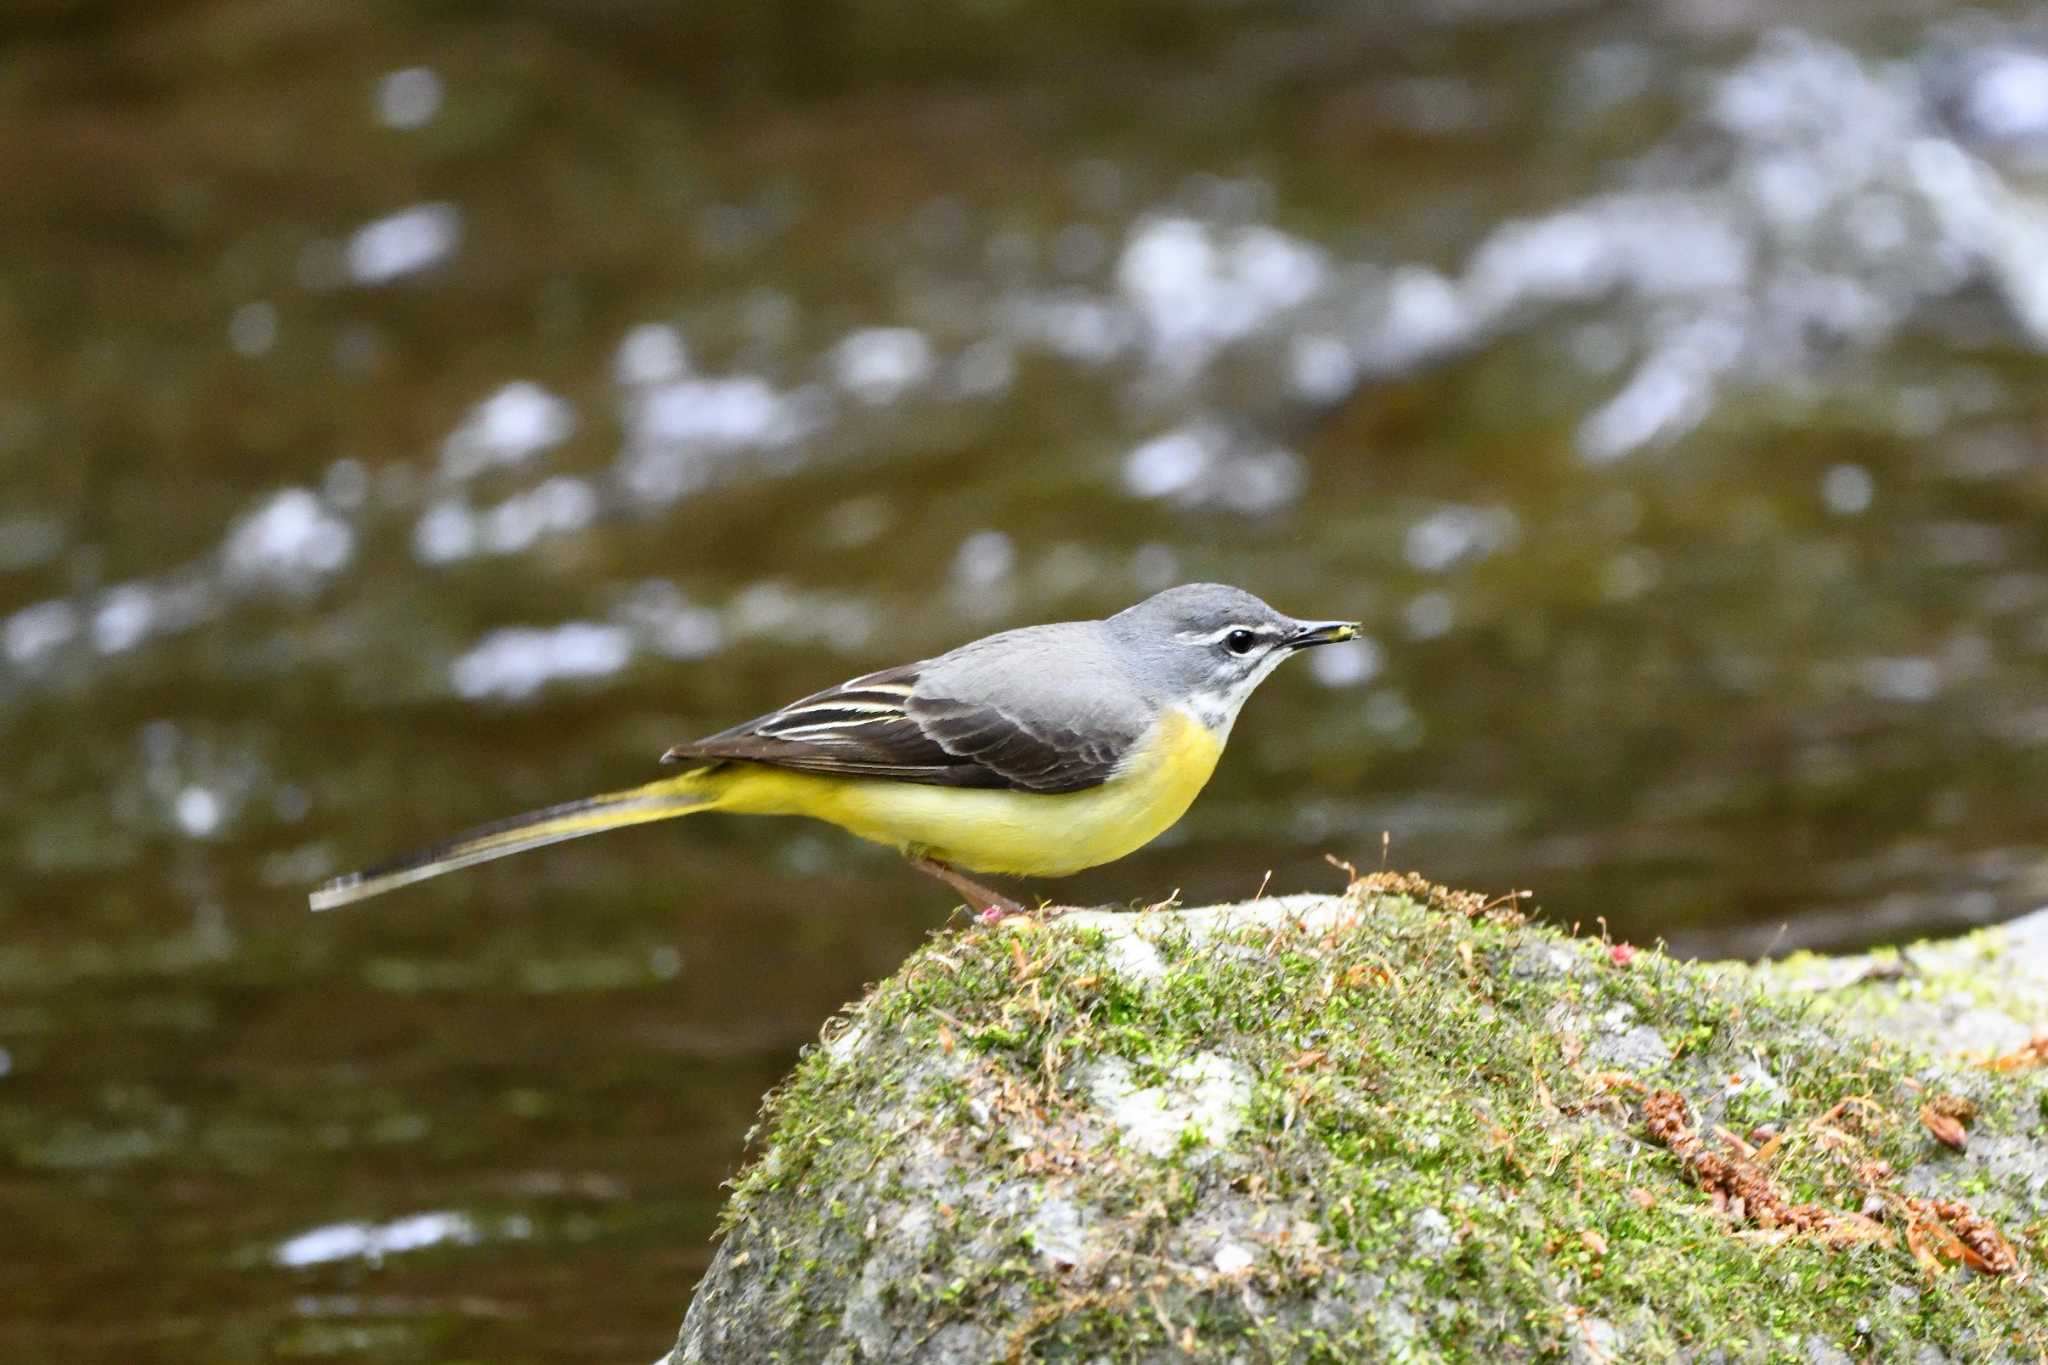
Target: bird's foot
[{"x": 990, "y": 907}]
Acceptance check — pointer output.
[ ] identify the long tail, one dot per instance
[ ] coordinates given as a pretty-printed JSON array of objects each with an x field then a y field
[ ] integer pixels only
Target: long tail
[{"x": 663, "y": 800}]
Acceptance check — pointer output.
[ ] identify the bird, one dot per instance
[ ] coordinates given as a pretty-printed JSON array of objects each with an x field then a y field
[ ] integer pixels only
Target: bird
[{"x": 1033, "y": 752}]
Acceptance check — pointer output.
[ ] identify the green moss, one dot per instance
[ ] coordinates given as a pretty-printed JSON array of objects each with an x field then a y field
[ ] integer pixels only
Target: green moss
[{"x": 1441, "y": 1156}]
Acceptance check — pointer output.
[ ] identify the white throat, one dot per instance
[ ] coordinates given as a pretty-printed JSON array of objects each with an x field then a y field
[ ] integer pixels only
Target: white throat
[{"x": 1217, "y": 708}]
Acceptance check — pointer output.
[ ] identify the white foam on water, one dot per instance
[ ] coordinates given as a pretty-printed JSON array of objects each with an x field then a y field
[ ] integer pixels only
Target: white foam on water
[
  {"x": 773, "y": 610},
  {"x": 556, "y": 507},
  {"x": 292, "y": 541},
  {"x": 1171, "y": 464},
  {"x": 1197, "y": 288},
  {"x": 516, "y": 662},
  {"x": 1320, "y": 367},
  {"x": 1421, "y": 314},
  {"x": 1259, "y": 481},
  {"x": 409, "y": 98},
  {"x": 2009, "y": 96},
  {"x": 668, "y": 623},
  {"x": 374, "y": 1241},
  {"x": 123, "y": 618},
  {"x": 1848, "y": 490},
  {"x": 1356, "y": 661},
  {"x": 1198, "y": 465},
  {"x": 744, "y": 410},
  {"x": 984, "y": 559},
  {"x": 445, "y": 532},
  {"x": 652, "y": 353},
  {"x": 404, "y": 243},
  {"x": 1072, "y": 324},
  {"x": 198, "y": 811},
  {"x": 1454, "y": 534},
  {"x": 517, "y": 422},
  {"x": 35, "y": 632},
  {"x": 880, "y": 364}
]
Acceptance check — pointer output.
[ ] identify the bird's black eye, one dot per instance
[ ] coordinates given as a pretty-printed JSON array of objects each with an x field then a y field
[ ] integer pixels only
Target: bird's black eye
[{"x": 1240, "y": 642}]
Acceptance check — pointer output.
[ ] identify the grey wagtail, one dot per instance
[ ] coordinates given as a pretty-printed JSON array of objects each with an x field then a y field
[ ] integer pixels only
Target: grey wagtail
[{"x": 1033, "y": 752}]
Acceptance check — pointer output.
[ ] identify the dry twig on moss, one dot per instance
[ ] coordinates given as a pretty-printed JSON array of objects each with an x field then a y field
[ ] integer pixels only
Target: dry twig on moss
[{"x": 1505, "y": 909}]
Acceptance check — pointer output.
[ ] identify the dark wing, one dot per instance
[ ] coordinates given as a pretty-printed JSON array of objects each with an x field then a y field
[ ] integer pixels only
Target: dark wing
[
  {"x": 1041, "y": 756},
  {"x": 884, "y": 725},
  {"x": 861, "y": 728}
]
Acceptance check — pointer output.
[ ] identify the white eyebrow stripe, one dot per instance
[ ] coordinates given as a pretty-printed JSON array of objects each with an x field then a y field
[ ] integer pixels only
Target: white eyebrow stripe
[{"x": 1211, "y": 637}]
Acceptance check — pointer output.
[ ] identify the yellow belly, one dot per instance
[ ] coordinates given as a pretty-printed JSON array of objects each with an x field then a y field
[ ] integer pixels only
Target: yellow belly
[{"x": 1026, "y": 834}]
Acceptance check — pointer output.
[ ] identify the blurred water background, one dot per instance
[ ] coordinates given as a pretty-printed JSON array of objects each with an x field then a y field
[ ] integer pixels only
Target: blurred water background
[{"x": 410, "y": 414}]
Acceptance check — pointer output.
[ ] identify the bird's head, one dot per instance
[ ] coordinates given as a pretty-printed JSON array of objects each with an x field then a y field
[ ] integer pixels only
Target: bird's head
[{"x": 1206, "y": 646}]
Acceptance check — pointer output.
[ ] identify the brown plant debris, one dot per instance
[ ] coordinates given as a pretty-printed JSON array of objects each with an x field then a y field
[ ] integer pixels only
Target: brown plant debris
[
  {"x": 1505, "y": 909},
  {"x": 1957, "y": 1107},
  {"x": 1746, "y": 1190},
  {"x": 1947, "y": 1118},
  {"x": 1937, "y": 1230},
  {"x": 1962, "y": 1234},
  {"x": 2025, "y": 1057}
]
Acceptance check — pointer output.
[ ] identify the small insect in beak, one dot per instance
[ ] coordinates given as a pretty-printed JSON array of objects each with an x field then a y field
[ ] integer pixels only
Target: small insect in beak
[{"x": 1321, "y": 633}]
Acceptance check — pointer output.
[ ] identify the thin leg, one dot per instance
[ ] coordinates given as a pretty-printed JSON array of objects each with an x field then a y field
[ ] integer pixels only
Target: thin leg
[{"x": 991, "y": 905}]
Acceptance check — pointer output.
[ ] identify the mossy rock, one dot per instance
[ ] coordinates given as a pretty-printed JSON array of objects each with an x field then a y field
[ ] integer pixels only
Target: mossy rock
[
  {"x": 1354, "y": 1128},
  {"x": 1983, "y": 993}
]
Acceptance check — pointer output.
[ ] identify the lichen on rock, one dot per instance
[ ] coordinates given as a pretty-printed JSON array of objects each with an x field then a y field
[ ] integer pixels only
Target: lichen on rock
[{"x": 1372, "y": 1126}]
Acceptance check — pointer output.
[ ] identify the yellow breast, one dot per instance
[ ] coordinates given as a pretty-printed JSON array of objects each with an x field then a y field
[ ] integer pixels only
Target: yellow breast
[{"x": 1025, "y": 834}]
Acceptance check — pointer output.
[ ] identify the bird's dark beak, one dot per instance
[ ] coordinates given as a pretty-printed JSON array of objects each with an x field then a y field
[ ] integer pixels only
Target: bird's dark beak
[{"x": 1322, "y": 633}]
